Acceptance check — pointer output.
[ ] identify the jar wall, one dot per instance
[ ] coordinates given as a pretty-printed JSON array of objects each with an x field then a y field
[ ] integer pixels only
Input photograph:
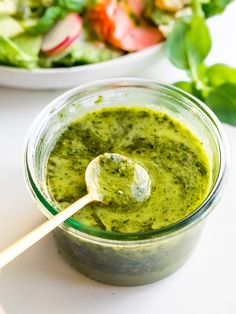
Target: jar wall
[{"x": 128, "y": 264}]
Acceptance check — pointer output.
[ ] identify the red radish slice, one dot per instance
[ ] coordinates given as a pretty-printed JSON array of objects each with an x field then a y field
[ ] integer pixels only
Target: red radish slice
[{"x": 62, "y": 35}]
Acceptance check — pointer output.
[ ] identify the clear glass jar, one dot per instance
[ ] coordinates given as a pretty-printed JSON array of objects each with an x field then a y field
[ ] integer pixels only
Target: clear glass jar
[{"x": 125, "y": 259}]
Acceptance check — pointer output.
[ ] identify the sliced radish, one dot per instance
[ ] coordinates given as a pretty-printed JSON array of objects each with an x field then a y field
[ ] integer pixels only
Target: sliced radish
[{"x": 62, "y": 35}]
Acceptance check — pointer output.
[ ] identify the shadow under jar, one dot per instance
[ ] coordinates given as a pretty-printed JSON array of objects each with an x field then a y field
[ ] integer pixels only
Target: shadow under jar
[{"x": 125, "y": 259}]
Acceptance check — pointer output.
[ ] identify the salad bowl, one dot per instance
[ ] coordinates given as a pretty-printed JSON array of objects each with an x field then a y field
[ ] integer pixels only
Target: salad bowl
[
  {"x": 51, "y": 44},
  {"x": 60, "y": 78}
]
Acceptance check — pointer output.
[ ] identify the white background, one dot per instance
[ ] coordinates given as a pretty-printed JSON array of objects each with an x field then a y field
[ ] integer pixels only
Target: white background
[{"x": 40, "y": 282}]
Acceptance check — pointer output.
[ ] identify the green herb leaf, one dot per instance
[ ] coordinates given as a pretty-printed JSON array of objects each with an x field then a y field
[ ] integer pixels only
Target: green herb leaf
[
  {"x": 196, "y": 6},
  {"x": 187, "y": 47},
  {"x": 54, "y": 13},
  {"x": 70, "y": 5},
  {"x": 46, "y": 22},
  {"x": 176, "y": 46},
  {"x": 198, "y": 41},
  {"x": 219, "y": 74},
  {"x": 190, "y": 88},
  {"x": 186, "y": 86},
  {"x": 215, "y": 7},
  {"x": 222, "y": 100},
  {"x": 189, "y": 43}
]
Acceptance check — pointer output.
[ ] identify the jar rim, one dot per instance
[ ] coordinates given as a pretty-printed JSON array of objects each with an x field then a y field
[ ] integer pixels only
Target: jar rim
[{"x": 74, "y": 226}]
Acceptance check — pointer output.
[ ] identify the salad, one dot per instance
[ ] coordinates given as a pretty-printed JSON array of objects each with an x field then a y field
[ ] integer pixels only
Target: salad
[{"x": 65, "y": 33}]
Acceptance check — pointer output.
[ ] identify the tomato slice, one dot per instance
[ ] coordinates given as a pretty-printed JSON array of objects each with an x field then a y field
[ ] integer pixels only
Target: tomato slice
[
  {"x": 139, "y": 38},
  {"x": 101, "y": 18},
  {"x": 112, "y": 23}
]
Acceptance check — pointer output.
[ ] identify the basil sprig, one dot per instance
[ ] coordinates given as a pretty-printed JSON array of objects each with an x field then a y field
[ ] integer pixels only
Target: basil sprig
[{"x": 188, "y": 45}]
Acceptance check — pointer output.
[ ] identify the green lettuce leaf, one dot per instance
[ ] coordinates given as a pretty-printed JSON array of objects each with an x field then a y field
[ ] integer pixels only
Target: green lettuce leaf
[
  {"x": 156, "y": 15},
  {"x": 81, "y": 53},
  {"x": 29, "y": 44},
  {"x": 10, "y": 26},
  {"x": 29, "y": 9},
  {"x": 8, "y": 7},
  {"x": 11, "y": 54}
]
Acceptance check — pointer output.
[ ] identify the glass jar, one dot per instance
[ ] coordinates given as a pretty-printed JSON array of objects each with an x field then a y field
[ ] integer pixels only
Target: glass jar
[{"x": 125, "y": 259}]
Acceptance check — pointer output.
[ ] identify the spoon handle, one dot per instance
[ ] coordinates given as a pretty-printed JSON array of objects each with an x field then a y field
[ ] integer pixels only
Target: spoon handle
[{"x": 35, "y": 235}]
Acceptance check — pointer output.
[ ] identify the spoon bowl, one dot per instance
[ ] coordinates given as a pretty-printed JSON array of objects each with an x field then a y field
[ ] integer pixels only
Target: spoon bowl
[{"x": 131, "y": 180}]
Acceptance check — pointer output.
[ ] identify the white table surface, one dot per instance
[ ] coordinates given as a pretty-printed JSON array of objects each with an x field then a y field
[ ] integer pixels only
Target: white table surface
[{"x": 40, "y": 282}]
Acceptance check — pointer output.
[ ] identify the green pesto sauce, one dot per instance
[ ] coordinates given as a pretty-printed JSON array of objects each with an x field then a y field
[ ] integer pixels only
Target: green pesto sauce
[
  {"x": 174, "y": 158},
  {"x": 121, "y": 182}
]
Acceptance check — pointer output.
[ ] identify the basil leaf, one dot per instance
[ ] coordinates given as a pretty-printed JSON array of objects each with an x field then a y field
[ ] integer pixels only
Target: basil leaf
[
  {"x": 215, "y": 7},
  {"x": 198, "y": 41},
  {"x": 47, "y": 21},
  {"x": 190, "y": 88},
  {"x": 189, "y": 42},
  {"x": 219, "y": 74},
  {"x": 222, "y": 100},
  {"x": 186, "y": 86},
  {"x": 175, "y": 46}
]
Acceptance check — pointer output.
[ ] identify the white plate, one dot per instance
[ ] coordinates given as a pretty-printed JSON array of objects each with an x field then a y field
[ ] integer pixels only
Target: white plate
[{"x": 69, "y": 77}]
